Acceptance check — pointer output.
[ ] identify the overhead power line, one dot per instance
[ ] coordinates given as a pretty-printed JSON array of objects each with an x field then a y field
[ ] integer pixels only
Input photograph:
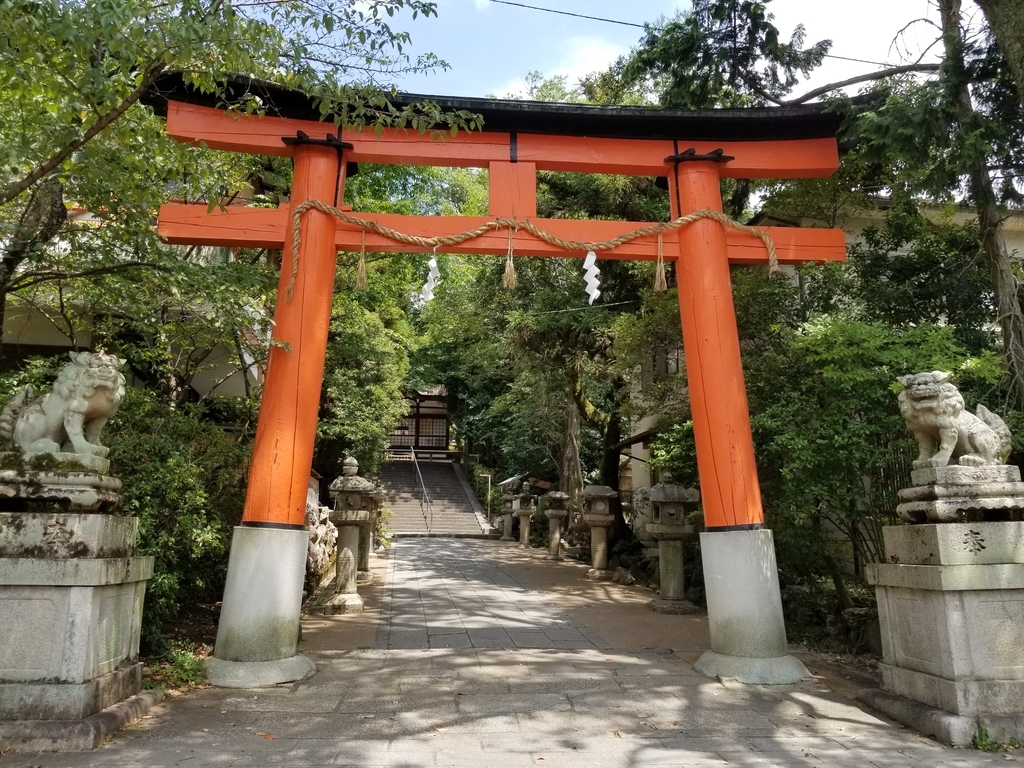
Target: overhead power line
[
  {"x": 643, "y": 26},
  {"x": 567, "y": 13}
]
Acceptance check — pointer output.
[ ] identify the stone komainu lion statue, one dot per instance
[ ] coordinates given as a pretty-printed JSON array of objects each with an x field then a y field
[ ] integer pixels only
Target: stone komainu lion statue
[
  {"x": 85, "y": 396},
  {"x": 935, "y": 413}
]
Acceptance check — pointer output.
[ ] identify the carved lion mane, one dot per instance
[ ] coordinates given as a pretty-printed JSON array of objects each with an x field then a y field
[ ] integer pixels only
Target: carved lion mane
[
  {"x": 85, "y": 396},
  {"x": 946, "y": 432}
]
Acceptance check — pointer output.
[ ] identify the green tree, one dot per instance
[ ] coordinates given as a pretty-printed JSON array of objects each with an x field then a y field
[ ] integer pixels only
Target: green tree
[
  {"x": 722, "y": 53},
  {"x": 1008, "y": 28},
  {"x": 960, "y": 138},
  {"x": 74, "y": 133},
  {"x": 72, "y": 69}
]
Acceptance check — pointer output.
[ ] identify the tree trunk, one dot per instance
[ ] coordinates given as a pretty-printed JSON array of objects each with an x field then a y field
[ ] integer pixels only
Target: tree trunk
[
  {"x": 1004, "y": 283},
  {"x": 1007, "y": 23},
  {"x": 609, "y": 475},
  {"x": 570, "y": 475},
  {"x": 3, "y": 317}
]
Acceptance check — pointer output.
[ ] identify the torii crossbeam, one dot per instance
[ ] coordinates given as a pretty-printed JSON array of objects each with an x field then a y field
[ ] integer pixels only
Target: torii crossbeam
[{"x": 694, "y": 151}]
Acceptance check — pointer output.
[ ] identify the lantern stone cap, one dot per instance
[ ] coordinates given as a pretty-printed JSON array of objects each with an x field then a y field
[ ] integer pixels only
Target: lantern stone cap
[
  {"x": 349, "y": 481},
  {"x": 671, "y": 492},
  {"x": 599, "y": 492},
  {"x": 557, "y": 495}
]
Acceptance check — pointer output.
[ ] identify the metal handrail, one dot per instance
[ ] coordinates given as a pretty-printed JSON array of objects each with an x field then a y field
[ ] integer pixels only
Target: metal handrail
[{"x": 425, "y": 504}]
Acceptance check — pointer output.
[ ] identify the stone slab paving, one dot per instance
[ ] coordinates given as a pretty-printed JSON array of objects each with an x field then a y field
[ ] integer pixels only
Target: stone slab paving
[
  {"x": 509, "y": 704},
  {"x": 442, "y": 594}
]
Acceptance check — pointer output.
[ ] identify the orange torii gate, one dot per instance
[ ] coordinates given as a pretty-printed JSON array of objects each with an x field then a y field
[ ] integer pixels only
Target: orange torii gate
[{"x": 256, "y": 640}]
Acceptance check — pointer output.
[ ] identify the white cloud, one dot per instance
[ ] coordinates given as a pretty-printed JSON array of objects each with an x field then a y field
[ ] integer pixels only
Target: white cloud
[
  {"x": 580, "y": 56},
  {"x": 586, "y": 55}
]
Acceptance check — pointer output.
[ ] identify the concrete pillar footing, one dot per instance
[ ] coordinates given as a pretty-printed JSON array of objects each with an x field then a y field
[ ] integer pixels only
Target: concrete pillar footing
[
  {"x": 780, "y": 670},
  {"x": 599, "y": 574},
  {"x": 344, "y": 603},
  {"x": 259, "y": 618},
  {"x": 672, "y": 607},
  {"x": 748, "y": 633},
  {"x": 258, "y": 674}
]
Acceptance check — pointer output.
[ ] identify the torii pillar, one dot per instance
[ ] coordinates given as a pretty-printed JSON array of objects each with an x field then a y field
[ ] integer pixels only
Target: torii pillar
[
  {"x": 748, "y": 632},
  {"x": 258, "y": 633}
]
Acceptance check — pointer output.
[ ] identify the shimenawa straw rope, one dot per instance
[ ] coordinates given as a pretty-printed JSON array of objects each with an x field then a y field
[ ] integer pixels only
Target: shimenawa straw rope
[{"x": 514, "y": 225}]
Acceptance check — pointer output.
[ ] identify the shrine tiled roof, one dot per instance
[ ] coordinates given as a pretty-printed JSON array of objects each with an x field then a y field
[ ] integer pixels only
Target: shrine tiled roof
[{"x": 807, "y": 121}]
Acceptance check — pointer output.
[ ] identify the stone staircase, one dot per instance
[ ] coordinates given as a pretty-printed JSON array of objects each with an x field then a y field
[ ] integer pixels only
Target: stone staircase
[{"x": 453, "y": 513}]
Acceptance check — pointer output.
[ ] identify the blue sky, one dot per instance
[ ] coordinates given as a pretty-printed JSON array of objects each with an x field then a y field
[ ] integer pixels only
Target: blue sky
[{"x": 491, "y": 47}]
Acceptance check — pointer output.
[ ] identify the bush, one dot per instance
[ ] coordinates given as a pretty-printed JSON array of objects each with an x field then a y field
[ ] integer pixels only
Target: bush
[{"x": 184, "y": 478}]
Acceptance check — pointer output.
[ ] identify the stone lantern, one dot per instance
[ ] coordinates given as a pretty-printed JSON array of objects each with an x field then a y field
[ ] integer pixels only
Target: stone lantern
[
  {"x": 525, "y": 514},
  {"x": 597, "y": 514},
  {"x": 353, "y": 502},
  {"x": 509, "y": 505},
  {"x": 557, "y": 511},
  {"x": 669, "y": 506},
  {"x": 365, "y": 575}
]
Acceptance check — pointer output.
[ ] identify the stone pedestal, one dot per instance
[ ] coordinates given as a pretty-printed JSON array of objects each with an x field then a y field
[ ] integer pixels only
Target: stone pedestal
[
  {"x": 643, "y": 515},
  {"x": 525, "y": 515},
  {"x": 748, "y": 633},
  {"x": 368, "y": 536},
  {"x": 524, "y": 528},
  {"x": 509, "y": 505},
  {"x": 957, "y": 494},
  {"x": 346, "y": 599},
  {"x": 669, "y": 506},
  {"x": 75, "y": 482},
  {"x": 951, "y": 608},
  {"x": 598, "y": 546},
  {"x": 364, "y": 575},
  {"x": 556, "y": 512},
  {"x": 71, "y": 596},
  {"x": 597, "y": 515}
]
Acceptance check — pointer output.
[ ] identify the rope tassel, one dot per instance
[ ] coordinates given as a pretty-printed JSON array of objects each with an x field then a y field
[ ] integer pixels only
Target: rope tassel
[
  {"x": 660, "y": 283},
  {"x": 509, "y": 280}
]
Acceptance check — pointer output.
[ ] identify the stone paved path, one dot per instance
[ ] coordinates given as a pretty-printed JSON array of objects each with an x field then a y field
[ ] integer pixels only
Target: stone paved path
[
  {"x": 441, "y": 594},
  {"x": 494, "y": 699}
]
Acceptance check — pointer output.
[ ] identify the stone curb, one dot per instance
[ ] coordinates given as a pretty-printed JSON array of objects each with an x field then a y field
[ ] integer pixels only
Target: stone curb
[
  {"x": 946, "y": 727},
  {"x": 26, "y": 736}
]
